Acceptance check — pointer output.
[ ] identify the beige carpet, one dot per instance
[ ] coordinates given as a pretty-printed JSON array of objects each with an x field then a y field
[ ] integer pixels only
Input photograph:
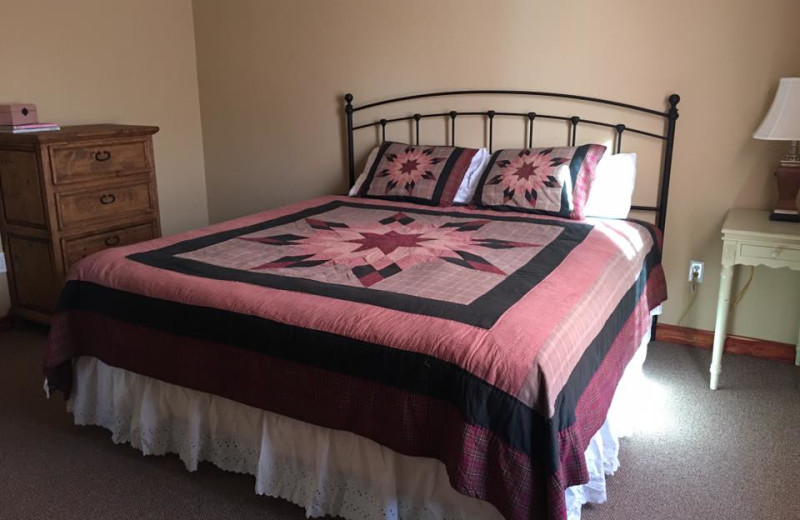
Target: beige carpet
[{"x": 731, "y": 454}]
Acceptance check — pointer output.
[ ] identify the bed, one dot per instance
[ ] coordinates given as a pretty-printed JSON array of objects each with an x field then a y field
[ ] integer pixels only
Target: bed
[{"x": 375, "y": 358}]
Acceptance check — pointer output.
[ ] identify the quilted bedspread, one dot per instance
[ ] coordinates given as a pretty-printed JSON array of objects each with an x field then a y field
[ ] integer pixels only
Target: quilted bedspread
[{"x": 491, "y": 341}]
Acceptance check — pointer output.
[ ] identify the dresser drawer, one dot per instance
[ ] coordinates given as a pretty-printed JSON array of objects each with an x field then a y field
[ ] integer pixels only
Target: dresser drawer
[
  {"x": 79, "y": 248},
  {"x": 103, "y": 204},
  {"x": 86, "y": 161},
  {"x": 769, "y": 252}
]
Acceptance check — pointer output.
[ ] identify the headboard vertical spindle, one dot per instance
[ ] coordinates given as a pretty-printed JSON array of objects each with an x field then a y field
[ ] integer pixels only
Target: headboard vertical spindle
[
  {"x": 666, "y": 170},
  {"x": 490, "y": 114},
  {"x": 531, "y": 117},
  {"x": 618, "y": 141},
  {"x": 574, "y": 120},
  {"x": 453, "y": 115},
  {"x": 351, "y": 164}
]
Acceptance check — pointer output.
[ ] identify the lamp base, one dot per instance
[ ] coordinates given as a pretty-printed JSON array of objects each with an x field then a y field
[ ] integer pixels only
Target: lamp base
[
  {"x": 784, "y": 217},
  {"x": 788, "y": 178}
]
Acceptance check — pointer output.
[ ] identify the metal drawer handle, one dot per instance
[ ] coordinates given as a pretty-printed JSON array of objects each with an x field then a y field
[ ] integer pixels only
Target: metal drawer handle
[
  {"x": 776, "y": 252},
  {"x": 112, "y": 240},
  {"x": 102, "y": 156},
  {"x": 108, "y": 198}
]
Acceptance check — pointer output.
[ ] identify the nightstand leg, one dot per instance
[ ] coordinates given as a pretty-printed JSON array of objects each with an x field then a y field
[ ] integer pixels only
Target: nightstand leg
[
  {"x": 723, "y": 305},
  {"x": 797, "y": 351}
]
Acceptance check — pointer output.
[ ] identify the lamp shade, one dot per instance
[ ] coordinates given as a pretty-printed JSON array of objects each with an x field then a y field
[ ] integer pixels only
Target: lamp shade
[{"x": 783, "y": 119}]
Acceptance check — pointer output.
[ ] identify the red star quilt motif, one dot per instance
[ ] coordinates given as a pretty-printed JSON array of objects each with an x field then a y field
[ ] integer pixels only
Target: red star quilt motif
[
  {"x": 388, "y": 246},
  {"x": 459, "y": 264}
]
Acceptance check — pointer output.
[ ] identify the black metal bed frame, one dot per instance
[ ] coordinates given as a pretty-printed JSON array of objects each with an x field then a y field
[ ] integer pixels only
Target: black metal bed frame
[{"x": 668, "y": 137}]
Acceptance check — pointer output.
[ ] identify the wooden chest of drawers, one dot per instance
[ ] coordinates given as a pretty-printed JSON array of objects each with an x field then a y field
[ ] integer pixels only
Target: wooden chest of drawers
[{"x": 65, "y": 195}]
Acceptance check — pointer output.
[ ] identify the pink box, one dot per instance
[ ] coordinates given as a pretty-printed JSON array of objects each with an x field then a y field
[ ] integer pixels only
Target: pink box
[{"x": 18, "y": 114}]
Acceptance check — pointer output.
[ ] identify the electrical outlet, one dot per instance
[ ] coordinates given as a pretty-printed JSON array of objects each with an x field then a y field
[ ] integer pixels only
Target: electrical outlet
[
  {"x": 696, "y": 270},
  {"x": 2, "y": 262}
]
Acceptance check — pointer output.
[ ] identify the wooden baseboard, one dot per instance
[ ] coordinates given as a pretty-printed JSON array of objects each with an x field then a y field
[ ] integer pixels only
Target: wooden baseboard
[{"x": 759, "y": 348}]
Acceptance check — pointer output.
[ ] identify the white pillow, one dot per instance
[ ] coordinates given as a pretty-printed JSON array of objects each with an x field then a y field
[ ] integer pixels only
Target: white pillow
[
  {"x": 612, "y": 189},
  {"x": 465, "y": 190},
  {"x": 473, "y": 175},
  {"x": 361, "y": 178}
]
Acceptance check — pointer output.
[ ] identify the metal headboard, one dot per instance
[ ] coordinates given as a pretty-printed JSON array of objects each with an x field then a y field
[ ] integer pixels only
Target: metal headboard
[{"x": 668, "y": 137}]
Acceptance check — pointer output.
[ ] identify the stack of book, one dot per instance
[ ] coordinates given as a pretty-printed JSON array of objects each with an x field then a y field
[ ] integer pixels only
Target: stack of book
[{"x": 28, "y": 128}]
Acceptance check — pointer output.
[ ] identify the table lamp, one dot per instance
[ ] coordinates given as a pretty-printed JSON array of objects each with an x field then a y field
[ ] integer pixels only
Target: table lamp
[{"x": 782, "y": 123}]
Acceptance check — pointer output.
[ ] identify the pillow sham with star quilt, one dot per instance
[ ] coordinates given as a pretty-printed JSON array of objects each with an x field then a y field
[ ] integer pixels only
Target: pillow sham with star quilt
[
  {"x": 552, "y": 181},
  {"x": 428, "y": 175}
]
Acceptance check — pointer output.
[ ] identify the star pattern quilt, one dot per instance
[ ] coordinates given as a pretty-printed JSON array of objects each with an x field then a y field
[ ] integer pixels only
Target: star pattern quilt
[{"x": 492, "y": 341}]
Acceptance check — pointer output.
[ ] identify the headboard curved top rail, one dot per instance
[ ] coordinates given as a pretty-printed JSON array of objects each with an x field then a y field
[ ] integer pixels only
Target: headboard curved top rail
[
  {"x": 574, "y": 97},
  {"x": 667, "y": 138}
]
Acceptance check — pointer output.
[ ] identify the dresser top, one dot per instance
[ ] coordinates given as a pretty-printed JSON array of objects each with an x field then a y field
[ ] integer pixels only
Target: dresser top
[
  {"x": 72, "y": 133},
  {"x": 756, "y": 222}
]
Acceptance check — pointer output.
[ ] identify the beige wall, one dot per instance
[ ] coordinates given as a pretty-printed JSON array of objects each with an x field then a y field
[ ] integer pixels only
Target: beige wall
[
  {"x": 272, "y": 74},
  {"x": 90, "y": 61}
]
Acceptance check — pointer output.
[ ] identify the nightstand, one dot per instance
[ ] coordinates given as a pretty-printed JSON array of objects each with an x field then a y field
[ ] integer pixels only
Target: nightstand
[{"x": 750, "y": 238}]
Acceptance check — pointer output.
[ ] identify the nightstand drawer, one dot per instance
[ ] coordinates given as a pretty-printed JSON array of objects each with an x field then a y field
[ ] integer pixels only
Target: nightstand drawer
[
  {"x": 79, "y": 248},
  {"x": 74, "y": 163},
  {"x": 103, "y": 204},
  {"x": 769, "y": 252}
]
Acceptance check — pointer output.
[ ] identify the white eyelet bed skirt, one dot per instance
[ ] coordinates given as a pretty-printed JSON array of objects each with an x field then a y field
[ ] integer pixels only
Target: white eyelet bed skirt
[{"x": 324, "y": 471}]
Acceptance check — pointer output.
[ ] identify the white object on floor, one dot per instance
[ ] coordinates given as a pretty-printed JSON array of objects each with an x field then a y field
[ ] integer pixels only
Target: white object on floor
[{"x": 324, "y": 471}]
